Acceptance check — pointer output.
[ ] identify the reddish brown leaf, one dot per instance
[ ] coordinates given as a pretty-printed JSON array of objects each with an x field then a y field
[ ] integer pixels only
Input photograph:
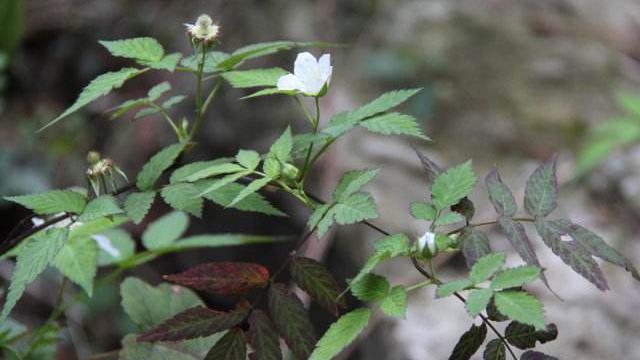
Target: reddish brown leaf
[
  {"x": 223, "y": 278},
  {"x": 316, "y": 280},
  {"x": 232, "y": 346},
  {"x": 264, "y": 337},
  {"x": 192, "y": 323},
  {"x": 292, "y": 320}
]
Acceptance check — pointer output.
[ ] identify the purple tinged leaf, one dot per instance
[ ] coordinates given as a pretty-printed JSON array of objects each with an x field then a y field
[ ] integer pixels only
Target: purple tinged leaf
[
  {"x": 536, "y": 355},
  {"x": 232, "y": 346},
  {"x": 194, "y": 323},
  {"x": 291, "y": 320},
  {"x": 572, "y": 254},
  {"x": 312, "y": 277},
  {"x": 525, "y": 336},
  {"x": 469, "y": 343},
  {"x": 495, "y": 350},
  {"x": 500, "y": 195},
  {"x": 263, "y": 337},
  {"x": 541, "y": 192},
  {"x": 431, "y": 169},
  {"x": 475, "y": 244},
  {"x": 223, "y": 278}
]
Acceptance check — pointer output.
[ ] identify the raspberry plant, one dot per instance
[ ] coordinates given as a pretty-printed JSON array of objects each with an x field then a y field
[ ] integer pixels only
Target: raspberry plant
[{"x": 76, "y": 230}]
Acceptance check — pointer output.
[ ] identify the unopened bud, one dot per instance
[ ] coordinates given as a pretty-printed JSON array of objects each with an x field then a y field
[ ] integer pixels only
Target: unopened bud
[
  {"x": 93, "y": 157},
  {"x": 427, "y": 244}
]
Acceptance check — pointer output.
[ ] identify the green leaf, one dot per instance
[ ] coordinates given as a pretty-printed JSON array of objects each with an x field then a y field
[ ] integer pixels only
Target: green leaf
[
  {"x": 212, "y": 241},
  {"x": 160, "y": 162},
  {"x": 253, "y": 187},
  {"x": 423, "y": 211},
  {"x": 253, "y": 202},
  {"x": 515, "y": 277},
  {"x": 518, "y": 238},
  {"x": 317, "y": 215},
  {"x": 32, "y": 259},
  {"x": 263, "y": 337},
  {"x": 395, "y": 304},
  {"x": 486, "y": 266},
  {"x": 594, "y": 244},
  {"x": 536, "y": 355},
  {"x": 78, "y": 260},
  {"x": 394, "y": 245},
  {"x": 254, "y": 77},
  {"x": 101, "y": 206},
  {"x": 193, "y": 323},
  {"x": 474, "y": 244},
  {"x": 572, "y": 254},
  {"x": 157, "y": 91},
  {"x": 312, "y": 277},
  {"x": 183, "y": 197},
  {"x": 291, "y": 320},
  {"x": 370, "y": 287},
  {"x": 182, "y": 173},
  {"x": 169, "y": 62},
  {"x": 282, "y": 147},
  {"x": 495, "y": 350},
  {"x": 351, "y": 182},
  {"x": 453, "y": 185},
  {"x": 165, "y": 231},
  {"x": 100, "y": 86},
  {"x": 148, "y": 306},
  {"x": 449, "y": 218},
  {"x": 195, "y": 349},
  {"x": 119, "y": 240},
  {"x": 215, "y": 170},
  {"x": 451, "y": 287},
  {"x": 138, "y": 205},
  {"x": 541, "y": 191},
  {"x": 394, "y": 124},
  {"x": 254, "y": 51},
  {"x": 521, "y": 307},
  {"x": 355, "y": 208},
  {"x": 478, "y": 301},
  {"x": 326, "y": 222},
  {"x": 212, "y": 59},
  {"x": 340, "y": 334},
  {"x": 269, "y": 91},
  {"x": 248, "y": 158},
  {"x": 52, "y": 202},
  {"x": 469, "y": 343},
  {"x": 144, "y": 49},
  {"x": 500, "y": 195},
  {"x": 525, "y": 336},
  {"x": 629, "y": 102},
  {"x": 232, "y": 346}
]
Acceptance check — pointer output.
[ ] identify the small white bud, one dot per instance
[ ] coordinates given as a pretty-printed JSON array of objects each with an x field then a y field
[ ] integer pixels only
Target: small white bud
[
  {"x": 204, "y": 29},
  {"x": 427, "y": 244}
]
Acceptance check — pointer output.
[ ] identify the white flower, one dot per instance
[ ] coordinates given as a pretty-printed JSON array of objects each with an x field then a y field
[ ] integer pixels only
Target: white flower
[
  {"x": 204, "y": 29},
  {"x": 309, "y": 75},
  {"x": 105, "y": 244},
  {"x": 428, "y": 242}
]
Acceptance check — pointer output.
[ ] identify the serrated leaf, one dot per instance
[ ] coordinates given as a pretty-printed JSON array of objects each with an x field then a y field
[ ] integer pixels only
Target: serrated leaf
[
  {"x": 394, "y": 124},
  {"x": 32, "y": 259},
  {"x": 253, "y": 187},
  {"x": 220, "y": 240},
  {"x": 478, "y": 301},
  {"x": 268, "y": 91},
  {"x": 518, "y": 238},
  {"x": 423, "y": 211},
  {"x": 232, "y": 346},
  {"x": 52, "y": 202},
  {"x": 78, "y": 261},
  {"x": 253, "y": 202},
  {"x": 157, "y": 91},
  {"x": 541, "y": 191},
  {"x": 351, "y": 182},
  {"x": 449, "y": 218},
  {"x": 168, "y": 62},
  {"x": 212, "y": 59},
  {"x": 215, "y": 170},
  {"x": 594, "y": 244},
  {"x": 355, "y": 208},
  {"x": 223, "y": 278},
  {"x": 521, "y": 307},
  {"x": 100, "y": 86},
  {"x": 474, "y": 244},
  {"x": 194, "y": 349},
  {"x": 121, "y": 246},
  {"x": 469, "y": 343},
  {"x": 165, "y": 230},
  {"x": 312, "y": 277},
  {"x": 219, "y": 183},
  {"x": 572, "y": 254},
  {"x": 143, "y": 48},
  {"x": 486, "y": 266},
  {"x": 494, "y": 350},
  {"x": 148, "y": 306},
  {"x": 340, "y": 334},
  {"x": 138, "y": 204},
  {"x": 536, "y": 355},
  {"x": 182, "y": 173},
  {"x": 515, "y": 277},
  {"x": 451, "y": 287},
  {"x": 253, "y": 51},
  {"x": 370, "y": 287},
  {"x": 282, "y": 147},
  {"x": 326, "y": 222},
  {"x": 194, "y": 323},
  {"x": 429, "y": 167},
  {"x": 184, "y": 197},
  {"x": 101, "y": 206},
  {"x": 394, "y": 245},
  {"x": 493, "y": 313},
  {"x": 500, "y": 195},
  {"x": 248, "y": 158},
  {"x": 395, "y": 304},
  {"x": 317, "y": 215},
  {"x": 291, "y": 320},
  {"x": 254, "y": 77},
  {"x": 160, "y": 162},
  {"x": 453, "y": 185},
  {"x": 264, "y": 337},
  {"x": 525, "y": 336}
]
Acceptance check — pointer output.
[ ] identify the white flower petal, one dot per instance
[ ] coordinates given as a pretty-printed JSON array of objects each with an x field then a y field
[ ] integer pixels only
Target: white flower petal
[
  {"x": 304, "y": 65},
  {"x": 105, "y": 244},
  {"x": 325, "y": 67},
  {"x": 290, "y": 82}
]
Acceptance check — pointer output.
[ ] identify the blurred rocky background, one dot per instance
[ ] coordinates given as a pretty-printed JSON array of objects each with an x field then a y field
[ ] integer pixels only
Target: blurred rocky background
[{"x": 506, "y": 83}]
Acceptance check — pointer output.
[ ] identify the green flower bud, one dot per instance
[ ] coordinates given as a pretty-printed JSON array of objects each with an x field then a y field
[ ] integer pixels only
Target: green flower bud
[{"x": 290, "y": 172}]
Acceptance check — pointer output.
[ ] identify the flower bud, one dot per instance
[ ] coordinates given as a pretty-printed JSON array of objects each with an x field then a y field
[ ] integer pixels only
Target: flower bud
[
  {"x": 290, "y": 172},
  {"x": 427, "y": 244},
  {"x": 93, "y": 157},
  {"x": 203, "y": 30}
]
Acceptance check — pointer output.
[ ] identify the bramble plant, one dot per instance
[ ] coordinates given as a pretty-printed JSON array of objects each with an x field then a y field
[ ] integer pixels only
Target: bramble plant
[{"x": 76, "y": 230}]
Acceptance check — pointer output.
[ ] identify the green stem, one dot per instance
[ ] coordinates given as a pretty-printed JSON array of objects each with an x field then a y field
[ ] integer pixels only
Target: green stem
[
  {"x": 198, "y": 121},
  {"x": 307, "y": 159},
  {"x": 168, "y": 118},
  {"x": 212, "y": 94},
  {"x": 419, "y": 285},
  {"x": 306, "y": 113}
]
